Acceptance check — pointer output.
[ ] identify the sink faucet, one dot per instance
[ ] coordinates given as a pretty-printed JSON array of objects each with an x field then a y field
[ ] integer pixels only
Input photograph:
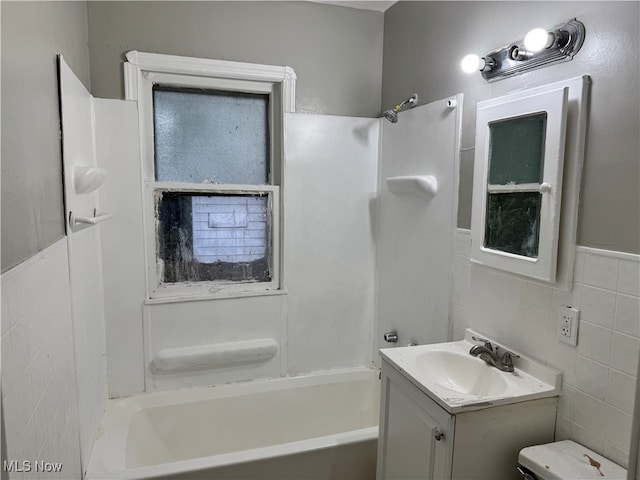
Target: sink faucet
[{"x": 486, "y": 352}]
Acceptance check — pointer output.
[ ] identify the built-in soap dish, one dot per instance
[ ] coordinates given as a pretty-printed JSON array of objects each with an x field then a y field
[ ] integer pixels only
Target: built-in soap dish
[
  {"x": 88, "y": 179},
  {"x": 216, "y": 355},
  {"x": 413, "y": 185}
]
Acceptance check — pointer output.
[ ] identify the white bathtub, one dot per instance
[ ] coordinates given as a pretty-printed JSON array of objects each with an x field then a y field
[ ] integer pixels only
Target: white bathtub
[{"x": 319, "y": 426}]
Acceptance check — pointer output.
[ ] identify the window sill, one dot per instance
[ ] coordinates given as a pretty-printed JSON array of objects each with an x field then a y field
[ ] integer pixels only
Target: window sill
[{"x": 213, "y": 296}]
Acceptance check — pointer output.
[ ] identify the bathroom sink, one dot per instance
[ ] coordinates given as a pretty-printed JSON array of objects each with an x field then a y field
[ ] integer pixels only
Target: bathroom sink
[
  {"x": 460, "y": 372},
  {"x": 459, "y": 381}
]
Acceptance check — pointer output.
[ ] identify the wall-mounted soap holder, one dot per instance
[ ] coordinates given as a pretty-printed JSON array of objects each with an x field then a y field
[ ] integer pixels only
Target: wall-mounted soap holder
[
  {"x": 88, "y": 179},
  {"x": 413, "y": 185},
  {"x": 217, "y": 355}
]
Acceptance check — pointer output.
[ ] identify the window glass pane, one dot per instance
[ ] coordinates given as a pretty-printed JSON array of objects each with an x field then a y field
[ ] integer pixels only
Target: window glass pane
[
  {"x": 513, "y": 223},
  {"x": 208, "y": 136},
  {"x": 516, "y": 150},
  {"x": 214, "y": 237}
]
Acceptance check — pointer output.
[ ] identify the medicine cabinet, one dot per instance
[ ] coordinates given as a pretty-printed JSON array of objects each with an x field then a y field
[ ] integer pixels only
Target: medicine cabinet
[{"x": 526, "y": 144}]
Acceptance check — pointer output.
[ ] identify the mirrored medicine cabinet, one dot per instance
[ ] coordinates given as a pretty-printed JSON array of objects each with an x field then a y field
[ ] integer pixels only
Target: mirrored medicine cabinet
[{"x": 528, "y": 161}]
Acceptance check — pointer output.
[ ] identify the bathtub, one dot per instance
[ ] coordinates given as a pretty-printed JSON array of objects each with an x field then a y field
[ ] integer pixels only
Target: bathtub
[{"x": 317, "y": 426}]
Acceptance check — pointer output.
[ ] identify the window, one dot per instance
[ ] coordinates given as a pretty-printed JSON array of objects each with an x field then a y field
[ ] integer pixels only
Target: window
[
  {"x": 520, "y": 142},
  {"x": 211, "y": 148},
  {"x": 213, "y": 238},
  {"x": 516, "y": 161},
  {"x": 210, "y": 136}
]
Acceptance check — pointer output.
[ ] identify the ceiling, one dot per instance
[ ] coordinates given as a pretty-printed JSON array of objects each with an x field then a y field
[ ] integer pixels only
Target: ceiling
[{"x": 377, "y": 5}]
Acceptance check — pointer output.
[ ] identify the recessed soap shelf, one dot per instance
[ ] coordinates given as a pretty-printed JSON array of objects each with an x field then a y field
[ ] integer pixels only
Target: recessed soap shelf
[{"x": 413, "y": 185}]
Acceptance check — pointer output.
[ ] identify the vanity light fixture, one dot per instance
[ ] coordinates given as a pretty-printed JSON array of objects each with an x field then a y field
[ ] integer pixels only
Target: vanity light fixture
[
  {"x": 472, "y": 63},
  {"x": 540, "y": 47}
]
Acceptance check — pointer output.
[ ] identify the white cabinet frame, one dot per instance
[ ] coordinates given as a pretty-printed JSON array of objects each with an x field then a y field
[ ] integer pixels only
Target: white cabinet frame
[{"x": 565, "y": 104}]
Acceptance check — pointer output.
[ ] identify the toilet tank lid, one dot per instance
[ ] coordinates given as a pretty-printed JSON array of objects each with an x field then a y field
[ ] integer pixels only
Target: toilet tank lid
[{"x": 568, "y": 460}]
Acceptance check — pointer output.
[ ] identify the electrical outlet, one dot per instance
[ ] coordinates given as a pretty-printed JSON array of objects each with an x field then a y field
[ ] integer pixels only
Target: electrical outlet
[{"x": 568, "y": 325}]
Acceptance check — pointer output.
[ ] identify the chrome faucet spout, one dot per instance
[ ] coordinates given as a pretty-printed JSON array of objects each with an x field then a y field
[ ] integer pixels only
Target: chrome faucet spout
[
  {"x": 479, "y": 350},
  {"x": 505, "y": 363}
]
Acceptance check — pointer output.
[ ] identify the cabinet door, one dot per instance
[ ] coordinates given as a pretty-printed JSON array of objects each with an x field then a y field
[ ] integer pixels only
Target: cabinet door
[
  {"x": 416, "y": 434},
  {"x": 517, "y": 189}
]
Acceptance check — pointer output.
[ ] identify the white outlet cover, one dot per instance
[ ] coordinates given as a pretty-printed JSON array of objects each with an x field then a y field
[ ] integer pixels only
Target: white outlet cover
[{"x": 568, "y": 318}]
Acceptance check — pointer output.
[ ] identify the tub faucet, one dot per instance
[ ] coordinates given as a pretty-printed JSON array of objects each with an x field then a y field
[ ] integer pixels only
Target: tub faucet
[
  {"x": 486, "y": 352},
  {"x": 391, "y": 337}
]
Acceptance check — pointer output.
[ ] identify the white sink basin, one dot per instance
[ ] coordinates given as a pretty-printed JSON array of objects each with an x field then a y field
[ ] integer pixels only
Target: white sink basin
[
  {"x": 462, "y": 373},
  {"x": 459, "y": 381}
]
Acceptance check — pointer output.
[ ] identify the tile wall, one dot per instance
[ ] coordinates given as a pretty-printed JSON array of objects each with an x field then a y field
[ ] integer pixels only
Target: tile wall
[
  {"x": 40, "y": 409},
  {"x": 599, "y": 375}
]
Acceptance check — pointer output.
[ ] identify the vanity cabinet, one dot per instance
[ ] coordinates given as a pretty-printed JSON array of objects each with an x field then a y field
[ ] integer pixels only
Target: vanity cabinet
[
  {"x": 415, "y": 432},
  {"x": 419, "y": 439}
]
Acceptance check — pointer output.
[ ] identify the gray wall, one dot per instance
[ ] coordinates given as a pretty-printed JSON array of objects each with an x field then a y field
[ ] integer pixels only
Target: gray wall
[
  {"x": 32, "y": 33},
  {"x": 425, "y": 41},
  {"x": 335, "y": 51},
  {"x": 337, "y": 54}
]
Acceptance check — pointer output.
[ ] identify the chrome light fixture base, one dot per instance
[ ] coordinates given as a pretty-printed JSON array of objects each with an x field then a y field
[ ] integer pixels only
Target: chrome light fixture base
[{"x": 514, "y": 58}]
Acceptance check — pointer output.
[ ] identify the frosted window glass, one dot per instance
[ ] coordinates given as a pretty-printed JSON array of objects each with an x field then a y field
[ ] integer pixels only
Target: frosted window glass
[
  {"x": 214, "y": 237},
  {"x": 516, "y": 150},
  {"x": 513, "y": 223},
  {"x": 208, "y": 136}
]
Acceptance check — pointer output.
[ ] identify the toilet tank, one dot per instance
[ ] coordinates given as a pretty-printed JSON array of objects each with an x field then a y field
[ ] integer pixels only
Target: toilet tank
[{"x": 568, "y": 460}]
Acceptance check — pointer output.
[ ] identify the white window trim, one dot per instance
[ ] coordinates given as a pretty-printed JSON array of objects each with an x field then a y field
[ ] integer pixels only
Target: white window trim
[
  {"x": 554, "y": 103},
  {"x": 141, "y": 71},
  {"x": 141, "y": 62}
]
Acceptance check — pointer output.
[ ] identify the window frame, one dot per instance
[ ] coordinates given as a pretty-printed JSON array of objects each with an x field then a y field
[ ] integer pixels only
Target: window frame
[
  {"x": 144, "y": 70},
  {"x": 553, "y": 101}
]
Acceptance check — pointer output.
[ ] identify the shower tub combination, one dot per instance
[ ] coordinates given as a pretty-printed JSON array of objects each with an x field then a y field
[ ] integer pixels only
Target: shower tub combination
[{"x": 318, "y": 426}]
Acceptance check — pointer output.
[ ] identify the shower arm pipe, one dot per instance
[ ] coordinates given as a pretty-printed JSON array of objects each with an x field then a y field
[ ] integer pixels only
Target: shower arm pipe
[{"x": 412, "y": 101}]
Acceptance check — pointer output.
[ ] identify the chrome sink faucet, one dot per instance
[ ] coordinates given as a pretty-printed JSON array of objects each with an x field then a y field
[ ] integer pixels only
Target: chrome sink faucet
[{"x": 491, "y": 356}]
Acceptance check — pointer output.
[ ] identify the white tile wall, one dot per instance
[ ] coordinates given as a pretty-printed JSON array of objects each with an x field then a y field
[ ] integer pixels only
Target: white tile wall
[
  {"x": 39, "y": 401},
  {"x": 599, "y": 375}
]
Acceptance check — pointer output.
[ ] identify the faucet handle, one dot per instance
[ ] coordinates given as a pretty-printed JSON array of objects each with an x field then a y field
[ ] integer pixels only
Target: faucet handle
[
  {"x": 486, "y": 342},
  {"x": 507, "y": 359}
]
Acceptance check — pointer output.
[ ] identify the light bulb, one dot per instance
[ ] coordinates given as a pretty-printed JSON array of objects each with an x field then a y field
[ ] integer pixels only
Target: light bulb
[
  {"x": 538, "y": 39},
  {"x": 470, "y": 63}
]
